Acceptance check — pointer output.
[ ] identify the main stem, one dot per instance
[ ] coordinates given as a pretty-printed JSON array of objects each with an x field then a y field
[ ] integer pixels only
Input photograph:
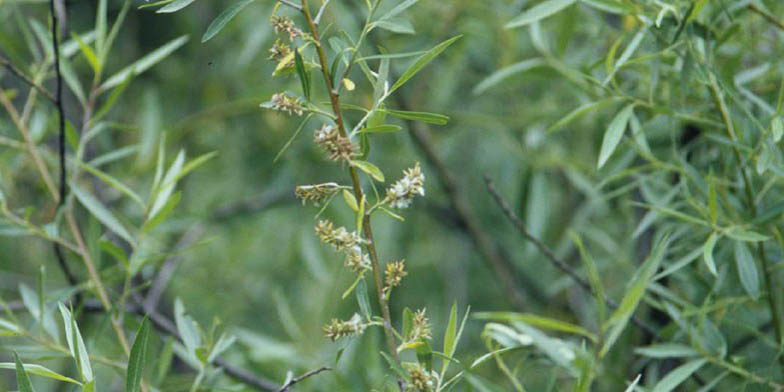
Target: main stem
[{"x": 358, "y": 194}]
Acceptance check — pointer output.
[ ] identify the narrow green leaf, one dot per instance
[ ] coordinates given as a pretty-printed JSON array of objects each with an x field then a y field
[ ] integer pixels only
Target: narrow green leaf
[
  {"x": 539, "y": 12},
  {"x": 166, "y": 187},
  {"x": 627, "y": 53},
  {"x": 385, "y": 128},
  {"x": 220, "y": 22},
  {"x": 614, "y": 134},
  {"x": 593, "y": 276},
  {"x": 174, "y": 6},
  {"x": 425, "y": 117},
  {"x": 22, "y": 379},
  {"x": 538, "y": 321},
  {"x": 370, "y": 169},
  {"x": 100, "y": 25},
  {"x": 304, "y": 75},
  {"x": 678, "y": 375},
  {"x": 351, "y": 201},
  {"x": 739, "y": 234},
  {"x": 144, "y": 63},
  {"x": 707, "y": 253},
  {"x": 421, "y": 62},
  {"x": 136, "y": 362},
  {"x": 506, "y": 72},
  {"x": 363, "y": 300},
  {"x": 666, "y": 350},
  {"x": 777, "y": 128},
  {"x": 637, "y": 287},
  {"x": 398, "y": 9},
  {"x": 451, "y": 331},
  {"x": 579, "y": 112},
  {"x": 88, "y": 53},
  {"x": 102, "y": 213},
  {"x": 39, "y": 370},
  {"x": 395, "y": 25},
  {"x": 113, "y": 182},
  {"x": 747, "y": 270},
  {"x": 76, "y": 344}
]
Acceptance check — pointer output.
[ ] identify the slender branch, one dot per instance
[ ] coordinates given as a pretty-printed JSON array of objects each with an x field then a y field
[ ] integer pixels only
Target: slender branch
[
  {"x": 770, "y": 18},
  {"x": 358, "y": 193},
  {"x": 301, "y": 378},
  {"x": 39, "y": 163},
  {"x": 770, "y": 286},
  {"x": 550, "y": 256},
  {"x": 290, "y": 4},
  {"x": 21, "y": 75},
  {"x": 58, "y": 102}
]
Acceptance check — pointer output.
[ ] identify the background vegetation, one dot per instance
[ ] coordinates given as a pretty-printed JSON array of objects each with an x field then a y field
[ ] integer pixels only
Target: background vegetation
[{"x": 637, "y": 139}]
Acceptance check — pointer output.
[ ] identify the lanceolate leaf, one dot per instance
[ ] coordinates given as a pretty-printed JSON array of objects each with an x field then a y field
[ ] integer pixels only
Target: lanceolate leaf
[
  {"x": 136, "y": 362},
  {"x": 707, "y": 253},
  {"x": 421, "y": 62},
  {"x": 678, "y": 375},
  {"x": 102, "y": 213},
  {"x": 144, "y": 63},
  {"x": 506, "y": 72},
  {"x": 614, "y": 133},
  {"x": 539, "y": 12},
  {"x": 636, "y": 290},
  {"x": 174, "y": 6},
  {"x": 747, "y": 270},
  {"x": 220, "y": 22},
  {"x": 22, "y": 379}
]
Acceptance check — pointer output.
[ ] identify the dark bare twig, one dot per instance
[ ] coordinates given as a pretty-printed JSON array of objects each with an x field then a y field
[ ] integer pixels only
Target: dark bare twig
[
  {"x": 285, "y": 387},
  {"x": 256, "y": 203},
  {"x": 21, "y": 75},
  {"x": 58, "y": 12},
  {"x": 548, "y": 253}
]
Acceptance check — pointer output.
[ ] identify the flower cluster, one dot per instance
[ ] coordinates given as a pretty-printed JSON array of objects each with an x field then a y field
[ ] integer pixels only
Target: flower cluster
[
  {"x": 337, "y": 329},
  {"x": 316, "y": 193},
  {"x": 421, "y": 379},
  {"x": 337, "y": 146},
  {"x": 420, "y": 328},
  {"x": 339, "y": 238},
  {"x": 393, "y": 275},
  {"x": 288, "y": 104},
  {"x": 344, "y": 241},
  {"x": 403, "y": 192},
  {"x": 283, "y": 24},
  {"x": 356, "y": 260},
  {"x": 279, "y": 51}
]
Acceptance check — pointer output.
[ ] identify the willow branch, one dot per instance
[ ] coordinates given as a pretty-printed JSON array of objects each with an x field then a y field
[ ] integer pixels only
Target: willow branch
[
  {"x": 358, "y": 193},
  {"x": 301, "y": 378},
  {"x": 21, "y": 75},
  {"x": 550, "y": 255}
]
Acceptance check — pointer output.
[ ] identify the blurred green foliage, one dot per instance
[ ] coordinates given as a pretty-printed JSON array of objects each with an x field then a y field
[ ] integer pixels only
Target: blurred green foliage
[{"x": 257, "y": 267}]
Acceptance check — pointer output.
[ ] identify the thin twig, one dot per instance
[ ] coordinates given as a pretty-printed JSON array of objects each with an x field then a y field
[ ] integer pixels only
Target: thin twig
[
  {"x": 30, "y": 144},
  {"x": 321, "y": 12},
  {"x": 550, "y": 256},
  {"x": 290, "y": 4},
  {"x": 21, "y": 75},
  {"x": 285, "y": 387},
  {"x": 770, "y": 18},
  {"x": 58, "y": 102}
]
